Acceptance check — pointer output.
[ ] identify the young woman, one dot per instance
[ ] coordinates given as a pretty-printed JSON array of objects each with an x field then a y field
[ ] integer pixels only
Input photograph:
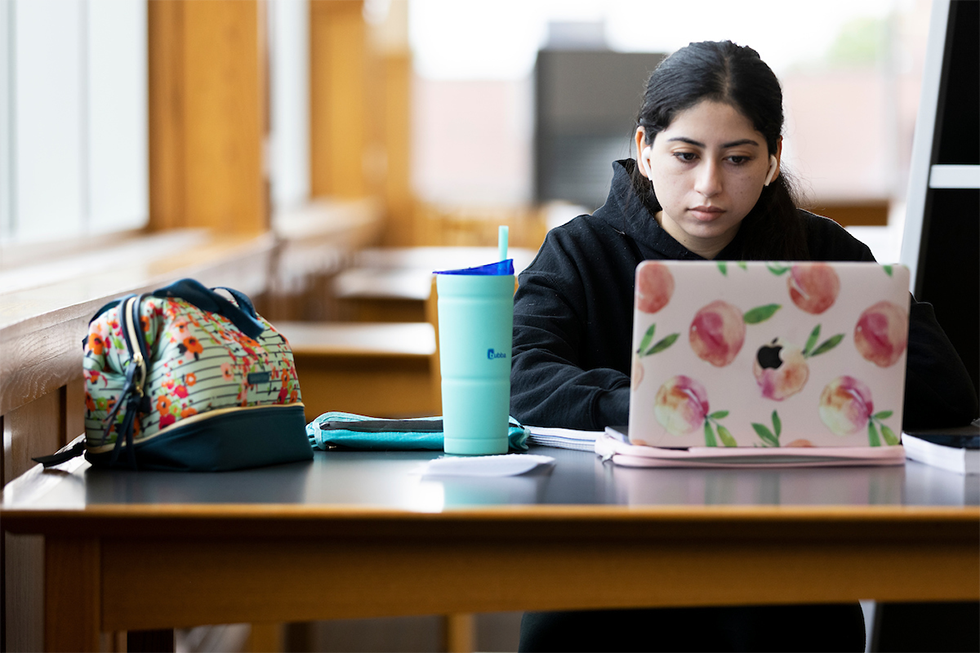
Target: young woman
[{"x": 706, "y": 184}]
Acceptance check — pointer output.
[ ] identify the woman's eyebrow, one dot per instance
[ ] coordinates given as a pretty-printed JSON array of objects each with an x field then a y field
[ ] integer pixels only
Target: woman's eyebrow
[
  {"x": 691, "y": 141},
  {"x": 744, "y": 141},
  {"x": 684, "y": 139}
]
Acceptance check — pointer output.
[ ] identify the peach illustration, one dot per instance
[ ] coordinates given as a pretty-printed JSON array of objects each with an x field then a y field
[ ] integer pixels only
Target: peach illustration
[
  {"x": 717, "y": 333},
  {"x": 881, "y": 333},
  {"x": 681, "y": 405},
  {"x": 846, "y": 405},
  {"x": 780, "y": 370},
  {"x": 802, "y": 442},
  {"x": 654, "y": 287},
  {"x": 637, "y": 376},
  {"x": 813, "y": 287}
]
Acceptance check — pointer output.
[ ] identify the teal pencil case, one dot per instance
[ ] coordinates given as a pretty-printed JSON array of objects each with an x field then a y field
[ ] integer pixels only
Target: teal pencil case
[{"x": 349, "y": 431}]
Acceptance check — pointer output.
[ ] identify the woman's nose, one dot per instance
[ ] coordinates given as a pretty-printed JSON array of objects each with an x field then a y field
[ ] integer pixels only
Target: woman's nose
[{"x": 708, "y": 181}]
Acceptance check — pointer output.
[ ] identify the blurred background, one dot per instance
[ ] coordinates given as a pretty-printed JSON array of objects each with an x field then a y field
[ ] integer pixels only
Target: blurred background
[
  {"x": 544, "y": 103},
  {"x": 457, "y": 116}
]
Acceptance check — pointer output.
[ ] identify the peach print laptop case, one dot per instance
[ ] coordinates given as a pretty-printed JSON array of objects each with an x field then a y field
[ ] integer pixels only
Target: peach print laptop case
[{"x": 756, "y": 354}]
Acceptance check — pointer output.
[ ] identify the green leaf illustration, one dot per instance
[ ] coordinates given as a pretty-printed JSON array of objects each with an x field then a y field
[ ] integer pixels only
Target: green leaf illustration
[
  {"x": 811, "y": 341},
  {"x": 647, "y": 339},
  {"x": 765, "y": 435},
  {"x": 718, "y": 414},
  {"x": 726, "y": 437},
  {"x": 885, "y": 414},
  {"x": 663, "y": 344},
  {"x": 778, "y": 269},
  {"x": 742, "y": 265},
  {"x": 889, "y": 435},
  {"x": 887, "y": 269},
  {"x": 709, "y": 435},
  {"x": 873, "y": 439},
  {"x": 777, "y": 424},
  {"x": 827, "y": 345},
  {"x": 723, "y": 268},
  {"x": 760, "y": 313}
]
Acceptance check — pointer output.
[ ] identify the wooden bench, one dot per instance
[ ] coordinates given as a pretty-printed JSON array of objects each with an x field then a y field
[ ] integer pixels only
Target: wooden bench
[
  {"x": 394, "y": 284},
  {"x": 377, "y": 369},
  {"x": 367, "y": 294}
]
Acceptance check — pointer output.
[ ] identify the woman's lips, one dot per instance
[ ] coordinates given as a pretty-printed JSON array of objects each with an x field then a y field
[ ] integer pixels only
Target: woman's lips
[{"x": 706, "y": 212}]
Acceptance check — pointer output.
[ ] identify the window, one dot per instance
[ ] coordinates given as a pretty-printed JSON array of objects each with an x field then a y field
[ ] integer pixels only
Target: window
[
  {"x": 289, "y": 103},
  {"x": 73, "y": 118}
]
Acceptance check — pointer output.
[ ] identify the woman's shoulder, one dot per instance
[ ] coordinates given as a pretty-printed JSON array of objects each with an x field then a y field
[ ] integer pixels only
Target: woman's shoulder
[
  {"x": 585, "y": 226},
  {"x": 829, "y": 241},
  {"x": 582, "y": 235},
  {"x": 563, "y": 245},
  {"x": 584, "y": 250}
]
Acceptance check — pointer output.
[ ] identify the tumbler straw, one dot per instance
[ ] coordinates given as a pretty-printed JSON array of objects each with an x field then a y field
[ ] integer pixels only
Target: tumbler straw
[{"x": 502, "y": 242}]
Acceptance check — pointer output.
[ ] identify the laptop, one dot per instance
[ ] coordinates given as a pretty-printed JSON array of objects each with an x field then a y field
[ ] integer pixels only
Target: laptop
[{"x": 768, "y": 354}]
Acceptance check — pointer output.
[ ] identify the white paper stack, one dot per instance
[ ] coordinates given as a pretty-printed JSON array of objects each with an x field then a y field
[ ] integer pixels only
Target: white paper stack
[
  {"x": 611, "y": 446},
  {"x": 563, "y": 438}
]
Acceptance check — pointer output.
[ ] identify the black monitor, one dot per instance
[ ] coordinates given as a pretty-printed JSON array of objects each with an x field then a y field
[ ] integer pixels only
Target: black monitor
[
  {"x": 586, "y": 102},
  {"x": 942, "y": 230}
]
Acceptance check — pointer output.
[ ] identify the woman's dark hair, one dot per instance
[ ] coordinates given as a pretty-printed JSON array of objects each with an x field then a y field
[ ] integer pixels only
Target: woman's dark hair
[{"x": 734, "y": 75}]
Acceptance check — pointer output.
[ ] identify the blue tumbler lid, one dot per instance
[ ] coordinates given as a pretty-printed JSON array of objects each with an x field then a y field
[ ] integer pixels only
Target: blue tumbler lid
[{"x": 500, "y": 268}]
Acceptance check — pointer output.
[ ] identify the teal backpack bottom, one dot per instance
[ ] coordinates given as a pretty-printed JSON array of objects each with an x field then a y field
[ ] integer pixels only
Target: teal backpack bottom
[{"x": 238, "y": 439}]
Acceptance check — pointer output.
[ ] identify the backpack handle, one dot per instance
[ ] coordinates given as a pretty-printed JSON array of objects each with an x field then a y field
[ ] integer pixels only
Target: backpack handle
[{"x": 242, "y": 316}]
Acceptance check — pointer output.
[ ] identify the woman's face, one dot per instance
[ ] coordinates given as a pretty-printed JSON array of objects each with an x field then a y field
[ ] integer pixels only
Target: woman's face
[{"x": 708, "y": 169}]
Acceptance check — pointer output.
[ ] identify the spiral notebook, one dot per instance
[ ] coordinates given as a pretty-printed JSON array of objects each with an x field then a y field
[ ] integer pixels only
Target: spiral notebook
[{"x": 768, "y": 356}]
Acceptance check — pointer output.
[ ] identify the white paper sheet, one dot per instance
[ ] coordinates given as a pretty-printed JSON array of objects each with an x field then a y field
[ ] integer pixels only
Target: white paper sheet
[{"x": 503, "y": 465}]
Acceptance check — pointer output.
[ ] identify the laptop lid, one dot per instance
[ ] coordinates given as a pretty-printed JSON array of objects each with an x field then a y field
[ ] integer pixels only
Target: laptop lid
[{"x": 768, "y": 354}]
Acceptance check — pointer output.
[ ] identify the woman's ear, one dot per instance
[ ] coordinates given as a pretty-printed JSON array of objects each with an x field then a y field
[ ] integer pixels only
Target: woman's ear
[{"x": 643, "y": 152}]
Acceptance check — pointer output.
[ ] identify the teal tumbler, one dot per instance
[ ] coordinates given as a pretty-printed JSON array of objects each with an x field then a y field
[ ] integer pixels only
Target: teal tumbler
[{"x": 476, "y": 322}]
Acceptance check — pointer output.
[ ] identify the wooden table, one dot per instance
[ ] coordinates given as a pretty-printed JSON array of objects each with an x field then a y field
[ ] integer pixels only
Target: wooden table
[{"x": 358, "y": 534}]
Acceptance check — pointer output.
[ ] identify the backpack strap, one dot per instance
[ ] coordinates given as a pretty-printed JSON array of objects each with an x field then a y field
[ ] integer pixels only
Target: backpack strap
[{"x": 62, "y": 456}]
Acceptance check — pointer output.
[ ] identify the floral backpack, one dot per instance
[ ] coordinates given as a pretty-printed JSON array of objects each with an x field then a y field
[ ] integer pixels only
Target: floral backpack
[{"x": 186, "y": 379}]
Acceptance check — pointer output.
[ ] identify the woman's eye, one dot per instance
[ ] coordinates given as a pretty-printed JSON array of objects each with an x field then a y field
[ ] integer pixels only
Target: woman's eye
[
  {"x": 685, "y": 156},
  {"x": 738, "y": 160}
]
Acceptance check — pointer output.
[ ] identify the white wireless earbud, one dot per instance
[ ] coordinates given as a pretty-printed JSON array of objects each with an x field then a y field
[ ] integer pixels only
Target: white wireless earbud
[
  {"x": 772, "y": 169},
  {"x": 648, "y": 159}
]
